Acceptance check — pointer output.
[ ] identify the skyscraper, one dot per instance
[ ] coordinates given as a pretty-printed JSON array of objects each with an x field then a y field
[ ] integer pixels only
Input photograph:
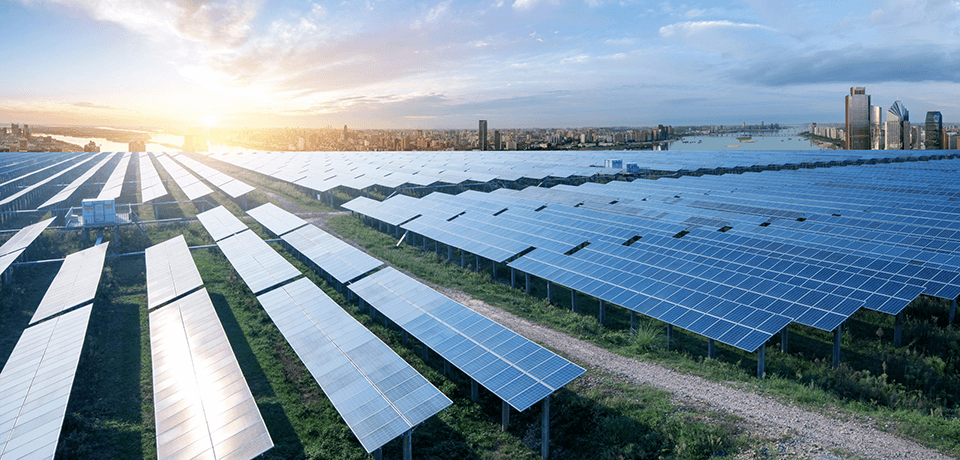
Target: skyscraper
[
  {"x": 482, "y": 136},
  {"x": 858, "y": 119},
  {"x": 898, "y": 127},
  {"x": 497, "y": 143},
  {"x": 876, "y": 127},
  {"x": 933, "y": 130}
]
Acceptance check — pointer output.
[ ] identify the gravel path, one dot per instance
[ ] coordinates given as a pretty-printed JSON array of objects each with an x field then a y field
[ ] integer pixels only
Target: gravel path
[{"x": 797, "y": 432}]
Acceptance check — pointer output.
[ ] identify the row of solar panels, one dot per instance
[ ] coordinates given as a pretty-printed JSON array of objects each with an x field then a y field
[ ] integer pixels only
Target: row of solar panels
[
  {"x": 323, "y": 171},
  {"x": 37, "y": 379},
  {"x": 515, "y": 369},
  {"x": 35, "y": 175},
  {"x": 775, "y": 247}
]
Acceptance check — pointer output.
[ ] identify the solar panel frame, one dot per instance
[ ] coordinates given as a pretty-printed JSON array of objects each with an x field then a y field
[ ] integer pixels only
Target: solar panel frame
[
  {"x": 25, "y": 236},
  {"x": 276, "y": 219}
]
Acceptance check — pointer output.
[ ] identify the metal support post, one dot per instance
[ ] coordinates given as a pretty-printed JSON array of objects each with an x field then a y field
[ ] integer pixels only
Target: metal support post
[
  {"x": 836, "y": 346},
  {"x": 526, "y": 282},
  {"x": 408, "y": 445},
  {"x": 633, "y": 322},
  {"x": 474, "y": 391},
  {"x": 446, "y": 367},
  {"x": 513, "y": 278},
  {"x": 504, "y": 416},
  {"x": 449, "y": 253},
  {"x": 426, "y": 353},
  {"x": 761, "y": 361},
  {"x": 549, "y": 292},
  {"x": 669, "y": 335},
  {"x": 573, "y": 300},
  {"x": 601, "y": 312},
  {"x": 898, "y": 329},
  {"x": 711, "y": 349},
  {"x": 494, "y": 269},
  {"x": 477, "y": 267},
  {"x": 404, "y": 335},
  {"x": 784, "y": 340},
  {"x": 545, "y": 429},
  {"x": 463, "y": 258}
]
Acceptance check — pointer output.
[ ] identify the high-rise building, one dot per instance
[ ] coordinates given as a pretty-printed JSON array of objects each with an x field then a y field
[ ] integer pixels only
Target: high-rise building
[
  {"x": 876, "y": 127},
  {"x": 897, "y": 127},
  {"x": 858, "y": 119},
  {"x": 482, "y": 135},
  {"x": 933, "y": 131},
  {"x": 497, "y": 143}
]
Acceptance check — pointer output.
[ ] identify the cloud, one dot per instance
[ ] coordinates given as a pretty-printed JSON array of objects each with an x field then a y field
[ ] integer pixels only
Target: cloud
[
  {"x": 523, "y": 5},
  {"x": 90, "y": 105},
  {"x": 720, "y": 37},
  {"x": 855, "y": 65}
]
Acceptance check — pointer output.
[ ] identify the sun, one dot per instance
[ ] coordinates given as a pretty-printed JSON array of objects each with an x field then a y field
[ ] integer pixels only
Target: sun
[{"x": 209, "y": 120}]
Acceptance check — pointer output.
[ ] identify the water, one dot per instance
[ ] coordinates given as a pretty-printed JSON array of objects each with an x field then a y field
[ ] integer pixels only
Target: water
[
  {"x": 168, "y": 139},
  {"x": 785, "y": 139}
]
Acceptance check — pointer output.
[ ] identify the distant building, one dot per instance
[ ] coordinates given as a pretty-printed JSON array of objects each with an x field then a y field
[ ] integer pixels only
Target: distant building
[
  {"x": 858, "y": 119},
  {"x": 933, "y": 131},
  {"x": 195, "y": 143},
  {"x": 876, "y": 127},
  {"x": 137, "y": 146},
  {"x": 91, "y": 147},
  {"x": 897, "y": 127},
  {"x": 497, "y": 142},
  {"x": 482, "y": 135}
]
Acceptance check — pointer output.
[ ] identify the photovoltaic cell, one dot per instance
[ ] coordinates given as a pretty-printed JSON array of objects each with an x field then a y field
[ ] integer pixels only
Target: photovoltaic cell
[
  {"x": 36, "y": 383},
  {"x": 512, "y": 367},
  {"x": 276, "y": 219},
  {"x": 170, "y": 271},
  {"x": 256, "y": 262},
  {"x": 43, "y": 182},
  {"x": 376, "y": 392},
  {"x": 188, "y": 183},
  {"x": 220, "y": 223},
  {"x": 75, "y": 284},
  {"x": 202, "y": 404}
]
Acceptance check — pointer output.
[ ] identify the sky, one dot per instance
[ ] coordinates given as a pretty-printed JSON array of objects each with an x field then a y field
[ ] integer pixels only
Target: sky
[{"x": 446, "y": 64}]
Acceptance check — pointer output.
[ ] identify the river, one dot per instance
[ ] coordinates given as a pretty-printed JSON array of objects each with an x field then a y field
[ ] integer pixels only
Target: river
[
  {"x": 785, "y": 139},
  {"x": 158, "y": 139}
]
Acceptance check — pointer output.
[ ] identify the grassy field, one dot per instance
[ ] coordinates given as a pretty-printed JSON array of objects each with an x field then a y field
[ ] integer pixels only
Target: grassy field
[
  {"x": 911, "y": 390},
  {"x": 110, "y": 414}
]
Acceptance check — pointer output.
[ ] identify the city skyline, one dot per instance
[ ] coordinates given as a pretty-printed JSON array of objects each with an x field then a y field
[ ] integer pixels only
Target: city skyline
[{"x": 447, "y": 64}]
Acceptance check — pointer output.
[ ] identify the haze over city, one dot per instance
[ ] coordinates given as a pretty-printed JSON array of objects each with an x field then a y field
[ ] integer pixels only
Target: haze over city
[{"x": 525, "y": 63}]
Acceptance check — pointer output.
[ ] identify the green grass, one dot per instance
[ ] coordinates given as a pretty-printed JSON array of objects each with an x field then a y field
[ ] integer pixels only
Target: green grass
[
  {"x": 910, "y": 390},
  {"x": 110, "y": 414}
]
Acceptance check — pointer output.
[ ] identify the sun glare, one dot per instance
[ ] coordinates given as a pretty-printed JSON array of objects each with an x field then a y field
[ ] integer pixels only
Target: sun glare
[{"x": 209, "y": 120}]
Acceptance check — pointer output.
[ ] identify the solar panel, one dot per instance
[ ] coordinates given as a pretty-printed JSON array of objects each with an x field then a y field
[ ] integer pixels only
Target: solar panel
[
  {"x": 111, "y": 190},
  {"x": 75, "y": 284},
  {"x": 43, "y": 182},
  {"x": 341, "y": 260},
  {"x": 515, "y": 369},
  {"x": 256, "y": 262},
  {"x": 32, "y": 171},
  {"x": 73, "y": 186},
  {"x": 276, "y": 219},
  {"x": 24, "y": 237},
  {"x": 379, "y": 395},
  {"x": 36, "y": 383},
  {"x": 188, "y": 183},
  {"x": 170, "y": 271},
  {"x": 151, "y": 187},
  {"x": 220, "y": 223},
  {"x": 227, "y": 184},
  {"x": 202, "y": 404}
]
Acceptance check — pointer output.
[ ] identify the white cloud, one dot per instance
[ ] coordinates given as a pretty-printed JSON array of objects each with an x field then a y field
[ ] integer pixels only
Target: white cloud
[
  {"x": 438, "y": 11},
  {"x": 524, "y": 5}
]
